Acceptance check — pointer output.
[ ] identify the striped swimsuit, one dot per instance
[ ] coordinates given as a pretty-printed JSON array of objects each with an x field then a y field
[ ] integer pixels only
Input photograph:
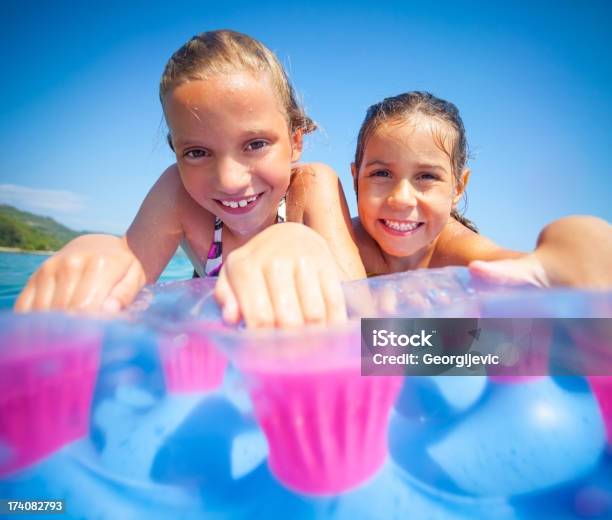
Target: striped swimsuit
[{"x": 214, "y": 260}]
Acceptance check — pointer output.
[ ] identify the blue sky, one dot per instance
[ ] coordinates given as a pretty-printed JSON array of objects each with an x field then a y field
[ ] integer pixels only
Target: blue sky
[{"x": 82, "y": 135}]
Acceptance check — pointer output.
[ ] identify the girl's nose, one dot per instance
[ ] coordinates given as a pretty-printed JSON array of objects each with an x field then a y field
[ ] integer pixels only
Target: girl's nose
[
  {"x": 403, "y": 195},
  {"x": 232, "y": 176}
]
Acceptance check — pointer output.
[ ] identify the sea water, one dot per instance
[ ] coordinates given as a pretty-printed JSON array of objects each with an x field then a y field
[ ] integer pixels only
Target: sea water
[{"x": 16, "y": 268}]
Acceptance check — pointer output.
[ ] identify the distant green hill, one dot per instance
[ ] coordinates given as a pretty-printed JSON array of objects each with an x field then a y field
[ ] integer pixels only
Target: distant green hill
[{"x": 25, "y": 230}]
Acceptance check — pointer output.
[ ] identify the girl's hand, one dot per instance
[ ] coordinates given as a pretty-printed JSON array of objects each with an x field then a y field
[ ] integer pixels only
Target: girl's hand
[
  {"x": 92, "y": 273},
  {"x": 527, "y": 270},
  {"x": 573, "y": 251},
  {"x": 286, "y": 276}
]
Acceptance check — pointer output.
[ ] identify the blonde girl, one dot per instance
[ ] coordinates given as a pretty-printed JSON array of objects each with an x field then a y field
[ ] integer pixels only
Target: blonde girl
[{"x": 236, "y": 128}]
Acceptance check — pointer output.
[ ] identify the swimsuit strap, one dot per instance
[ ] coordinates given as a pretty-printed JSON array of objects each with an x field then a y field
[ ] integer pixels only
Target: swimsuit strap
[
  {"x": 214, "y": 259},
  {"x": 281, "y": 212}
]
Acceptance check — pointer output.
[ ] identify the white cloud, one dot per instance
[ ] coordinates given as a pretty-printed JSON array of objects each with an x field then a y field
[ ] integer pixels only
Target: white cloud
[{"x": 45, "y": 202}]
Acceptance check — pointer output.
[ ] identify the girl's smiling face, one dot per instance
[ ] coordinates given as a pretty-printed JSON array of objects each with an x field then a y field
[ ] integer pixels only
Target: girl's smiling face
[
  {"x": 406, "y": 187},
  {"x": 233, "y": 147}
]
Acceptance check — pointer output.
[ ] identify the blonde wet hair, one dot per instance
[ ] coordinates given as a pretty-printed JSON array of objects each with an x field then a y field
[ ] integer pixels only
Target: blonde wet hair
[{"x": 224, "y": 52}]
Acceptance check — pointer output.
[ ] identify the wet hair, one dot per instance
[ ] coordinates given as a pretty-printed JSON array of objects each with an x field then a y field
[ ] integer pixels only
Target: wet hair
[
  {"x": 223, "y": 52},
  {"x": 419, "y": 103}
]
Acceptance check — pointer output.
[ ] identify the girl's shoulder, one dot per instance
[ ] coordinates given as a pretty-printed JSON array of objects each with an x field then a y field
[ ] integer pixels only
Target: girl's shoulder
[
  {"x": 313, "y": 187},
  {"x": 459, "y": 245},
  {"x": 369, "y": 250},
  {"x": 315, "y": 198},
  {"x": 314, "y": 176}
]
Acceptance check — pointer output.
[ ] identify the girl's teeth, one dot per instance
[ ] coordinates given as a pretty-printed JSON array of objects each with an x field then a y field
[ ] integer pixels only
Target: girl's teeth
[
  {"x": 240, "y": 203},
  {"x": 401, "y": 226}
]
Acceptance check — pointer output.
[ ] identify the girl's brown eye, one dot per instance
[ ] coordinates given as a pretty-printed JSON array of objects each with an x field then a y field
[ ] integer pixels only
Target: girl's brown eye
[
  {"x": 195, "y": 154},
  {"x": 257, "y": 145},
  {"x": 380, "y": 173},
  {"x": 427, "y": 176}
]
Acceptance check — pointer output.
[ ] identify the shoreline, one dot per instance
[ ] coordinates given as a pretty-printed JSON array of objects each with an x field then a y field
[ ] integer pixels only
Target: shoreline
[{"x": 18, "y": 250}]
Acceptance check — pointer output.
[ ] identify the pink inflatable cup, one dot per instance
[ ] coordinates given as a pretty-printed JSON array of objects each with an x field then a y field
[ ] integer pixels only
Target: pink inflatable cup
[
  {"x": 325, "y": 423},
  {"x": 602, "y": 389},
  {"x": 594, "y": 340},
  {"x": 191, "y": 362},
  {"x": 48, "y": 369}
]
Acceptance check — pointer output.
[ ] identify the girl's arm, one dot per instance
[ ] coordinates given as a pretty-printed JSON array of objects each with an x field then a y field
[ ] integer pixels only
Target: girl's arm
[
  {"x": 290, "y": 273},
  {"x": 573, "y": 251},
  {"x": 157, "y": 229},
  {"x": 103, "y": 272},
  {"x": 318, "y": 193}
]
